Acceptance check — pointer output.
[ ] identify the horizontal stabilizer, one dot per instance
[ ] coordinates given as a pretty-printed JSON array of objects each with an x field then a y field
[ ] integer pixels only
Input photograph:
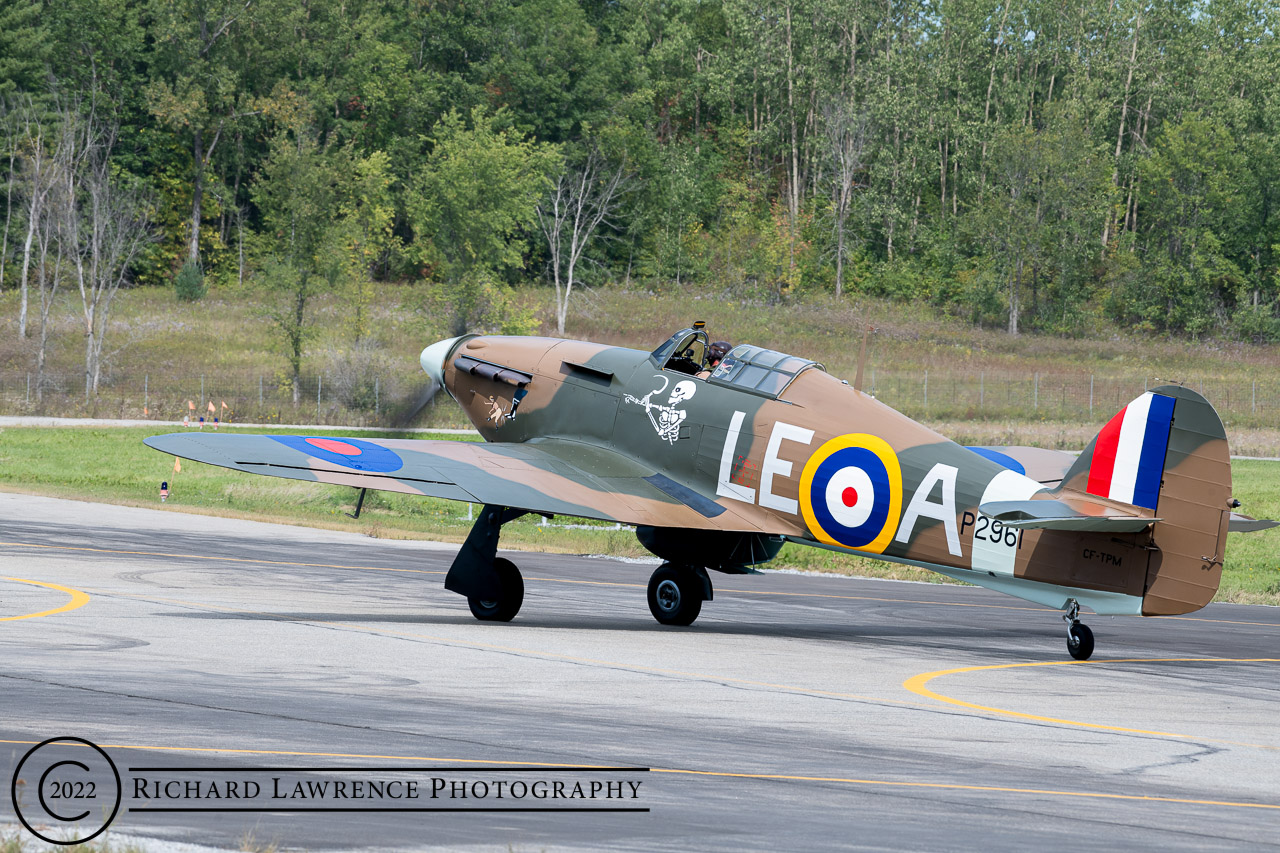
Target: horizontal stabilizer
[
  {"x": 1244, "y": 524},
  {"x": 1060, "y": 515}
]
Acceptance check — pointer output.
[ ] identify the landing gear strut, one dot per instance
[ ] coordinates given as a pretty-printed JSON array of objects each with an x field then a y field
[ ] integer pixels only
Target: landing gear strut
[
  {"x": 1079, "y": 637},
  {"x": 676, "y": 593},
  {"x": 492, "y": 585}
]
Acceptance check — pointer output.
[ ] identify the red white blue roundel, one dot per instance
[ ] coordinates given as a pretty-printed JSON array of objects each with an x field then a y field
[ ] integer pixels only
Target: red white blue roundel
[
  {"x": 348, "y": 452},
  {"x": 851, "y": 492}
]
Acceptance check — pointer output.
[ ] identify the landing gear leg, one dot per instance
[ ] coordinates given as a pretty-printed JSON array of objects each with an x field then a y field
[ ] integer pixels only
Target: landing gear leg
[
  {"x": 492, "y": 585},
  {"x": 676, "y": 593},
  {"x": 1079, "y": 637}
]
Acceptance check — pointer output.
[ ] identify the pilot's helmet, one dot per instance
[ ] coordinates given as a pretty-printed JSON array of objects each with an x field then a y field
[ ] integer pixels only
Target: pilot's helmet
[{"x": 719, "y": 350}]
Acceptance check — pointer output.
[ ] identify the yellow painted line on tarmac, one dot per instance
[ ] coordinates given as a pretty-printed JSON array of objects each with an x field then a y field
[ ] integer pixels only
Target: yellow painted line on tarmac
[
  {"x": 916, "y": 684},
  {"x": 780, "y": 777},
  {"x": 306, "y": 754},
  {"x": 78, "y": 599},
  {"x": 724, "y": 590},
  {"x": 215, "y": 557},
  {"x": 985, "y": 788}
]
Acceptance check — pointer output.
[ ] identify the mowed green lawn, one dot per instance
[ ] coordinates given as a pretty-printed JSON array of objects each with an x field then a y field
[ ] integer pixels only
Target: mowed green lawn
[{"x": 112, "y": 465}]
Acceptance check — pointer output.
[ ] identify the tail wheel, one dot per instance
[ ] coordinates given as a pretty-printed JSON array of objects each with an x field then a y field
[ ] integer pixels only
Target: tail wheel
[
  {"x": 1080, "y": 641},
  {"x": 510, "y": 596},
  {"x": 675, "y": 595}
]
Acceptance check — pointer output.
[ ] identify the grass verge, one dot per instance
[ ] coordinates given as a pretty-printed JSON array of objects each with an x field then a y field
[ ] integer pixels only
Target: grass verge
[{"x": 111, "y": 465}]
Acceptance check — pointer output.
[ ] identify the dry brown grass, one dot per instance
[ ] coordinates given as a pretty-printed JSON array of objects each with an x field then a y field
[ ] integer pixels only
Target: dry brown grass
[
  {"x": 980, "y": 385},
  {"x": 1245, "y": 441},
  {"x": 907, "y": 337}
]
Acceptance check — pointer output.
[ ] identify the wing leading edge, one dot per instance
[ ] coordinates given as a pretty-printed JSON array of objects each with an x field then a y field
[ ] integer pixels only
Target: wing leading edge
[{"x": 548, "y": 476}]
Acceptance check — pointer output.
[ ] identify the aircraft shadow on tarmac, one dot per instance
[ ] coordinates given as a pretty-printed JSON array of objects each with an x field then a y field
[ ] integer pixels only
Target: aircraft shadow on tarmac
[{"x": 919, "y": 637}]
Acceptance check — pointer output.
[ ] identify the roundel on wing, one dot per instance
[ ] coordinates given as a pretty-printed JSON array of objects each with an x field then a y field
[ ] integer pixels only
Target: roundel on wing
[
  {"x": 851, "y": 492},
  {"x": 348, "y": 452}
]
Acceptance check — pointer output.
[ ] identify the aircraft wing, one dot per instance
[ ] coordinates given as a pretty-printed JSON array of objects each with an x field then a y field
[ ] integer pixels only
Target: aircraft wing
[{"x": 549, "y": 476}]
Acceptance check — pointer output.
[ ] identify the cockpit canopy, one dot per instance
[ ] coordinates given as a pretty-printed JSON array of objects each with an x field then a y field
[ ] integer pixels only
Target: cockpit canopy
[
  {"x": 684, "y": 352},
  {"x": 764, "y": 371},
  {"x": 750, "y": 368}
]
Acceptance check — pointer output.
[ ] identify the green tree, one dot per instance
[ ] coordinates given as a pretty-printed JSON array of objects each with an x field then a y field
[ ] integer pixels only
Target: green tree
[
  {"x": 197, "y": 87},
  {"x": 473, "y": 204},
  {"x": 24, "y": 47},
  {"x": 364, "y": 231},
  {"x": 550, "y": 69},
  {"x": 1197, "y": 196},
  {"x": 296, "y": 192}
]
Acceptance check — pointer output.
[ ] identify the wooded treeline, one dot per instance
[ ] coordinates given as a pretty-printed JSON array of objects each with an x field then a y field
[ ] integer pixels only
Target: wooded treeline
[{"x": 1030, "y": 166}]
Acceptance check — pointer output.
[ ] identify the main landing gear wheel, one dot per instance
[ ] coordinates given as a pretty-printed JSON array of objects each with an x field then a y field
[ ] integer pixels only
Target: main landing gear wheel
[
  {"x": 1079, "y": 637},
  {"x": 510, "y": 596},
  {"x": 675, "y": 595}
]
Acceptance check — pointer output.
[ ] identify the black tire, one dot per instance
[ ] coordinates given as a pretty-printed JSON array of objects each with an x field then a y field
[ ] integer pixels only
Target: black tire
[
  {"x": 675, "y": 595},
  {"x": 511, "y": 596},
  {"x": 1080, "y": 642}
]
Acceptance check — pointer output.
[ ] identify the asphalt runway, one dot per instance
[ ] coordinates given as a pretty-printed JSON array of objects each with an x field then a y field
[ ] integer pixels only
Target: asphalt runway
[{"x": 800, "y": 712}]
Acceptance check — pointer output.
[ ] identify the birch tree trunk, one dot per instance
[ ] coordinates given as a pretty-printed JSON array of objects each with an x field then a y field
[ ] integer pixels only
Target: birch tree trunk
[
  {"x": 8, "y": 213},
  {"x": 579, "y": 202},
  {"x": 33, "y": 211},
  {"x": 37, "y": 167},
  {"x": 197, "y": 196},
  {"x": 1109, "y": 223}
]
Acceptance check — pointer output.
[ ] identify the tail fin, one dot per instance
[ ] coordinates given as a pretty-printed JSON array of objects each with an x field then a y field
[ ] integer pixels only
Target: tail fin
[{"x": 1167, "y": 452}]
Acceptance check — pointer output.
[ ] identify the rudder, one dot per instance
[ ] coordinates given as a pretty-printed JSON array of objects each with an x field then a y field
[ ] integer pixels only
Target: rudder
[{"x": 1167, "y": 452}]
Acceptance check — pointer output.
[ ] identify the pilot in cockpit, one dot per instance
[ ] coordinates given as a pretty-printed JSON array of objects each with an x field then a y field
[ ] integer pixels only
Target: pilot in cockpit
[
  {"x": 715, "y": 354},
  {"x": 689, "y": 351}
]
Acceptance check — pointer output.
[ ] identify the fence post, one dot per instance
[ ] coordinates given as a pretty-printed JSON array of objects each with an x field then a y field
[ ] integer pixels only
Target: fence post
[
  {"x": 319, "y": 386},
  {"x": 1253, "y": 406},
  {"x": 28, "y": 389},
  {"x": 146, "y": 392},
  {"x": 1090, "y": 396}
]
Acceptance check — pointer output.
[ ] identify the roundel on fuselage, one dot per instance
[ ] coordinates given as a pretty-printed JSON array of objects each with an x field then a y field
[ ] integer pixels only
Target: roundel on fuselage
[{"x": 851, "y": 492}]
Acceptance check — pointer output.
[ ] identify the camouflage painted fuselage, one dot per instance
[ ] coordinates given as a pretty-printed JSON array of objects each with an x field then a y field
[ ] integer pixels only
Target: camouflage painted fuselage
[{"x": 824, "y": 464}]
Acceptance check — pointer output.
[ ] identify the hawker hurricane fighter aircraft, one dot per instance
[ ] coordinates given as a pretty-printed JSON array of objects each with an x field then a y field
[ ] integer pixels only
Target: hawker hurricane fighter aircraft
[{"x": 717, "y": 468}]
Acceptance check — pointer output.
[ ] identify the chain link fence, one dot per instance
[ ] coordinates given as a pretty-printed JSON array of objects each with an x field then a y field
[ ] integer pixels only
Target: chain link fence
[
  {"x": 395, "y": 400},
  {"x": 1068, "y": 397},
  {"x": 369, "y": 399}
]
